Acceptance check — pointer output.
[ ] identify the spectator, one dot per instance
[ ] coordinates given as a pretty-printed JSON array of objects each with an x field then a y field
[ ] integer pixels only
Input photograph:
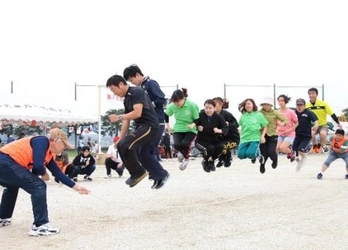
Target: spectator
[
  {"x": 9, "y": 138},
  {"x": 112, "y": 161},
  {"x": 62, "y": 160},
  {"x": 80, "y": 144},
  {"x": 84, "y": 164},
  {"x": 21, "y": 135}
]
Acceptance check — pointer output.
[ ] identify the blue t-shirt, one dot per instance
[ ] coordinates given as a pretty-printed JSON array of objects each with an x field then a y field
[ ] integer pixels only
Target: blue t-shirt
[{"x": 305, "y": 119}]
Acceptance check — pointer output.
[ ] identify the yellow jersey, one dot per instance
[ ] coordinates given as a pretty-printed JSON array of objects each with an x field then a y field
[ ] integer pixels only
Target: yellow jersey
[{"x": 321, "y": 109}]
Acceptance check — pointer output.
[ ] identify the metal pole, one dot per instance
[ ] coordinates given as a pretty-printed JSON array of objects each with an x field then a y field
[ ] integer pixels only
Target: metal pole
[
  {"x": 225, "y": 90},
  {"x": 322, "y": 92},
  {"x": 99, "y": 119},
  {"x": 75, "y": 91},
  {"x": 11, "y": 87},
  {"x": 274, "y": 95}
]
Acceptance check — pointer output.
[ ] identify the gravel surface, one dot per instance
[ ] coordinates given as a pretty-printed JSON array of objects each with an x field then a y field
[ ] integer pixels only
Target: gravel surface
[{"x": 232, "y": 208}]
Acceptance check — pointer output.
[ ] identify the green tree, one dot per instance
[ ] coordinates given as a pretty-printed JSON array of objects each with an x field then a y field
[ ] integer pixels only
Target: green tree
[
  {"x": 17, "y": 129},
  {"x": 345, "y": 112},
  {"x": 27, "y": 130},
  {"x": 109, "y": 128}
]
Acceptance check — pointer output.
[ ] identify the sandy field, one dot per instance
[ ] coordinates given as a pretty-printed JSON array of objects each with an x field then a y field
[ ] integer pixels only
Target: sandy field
[{"x": 232, "y": 208}]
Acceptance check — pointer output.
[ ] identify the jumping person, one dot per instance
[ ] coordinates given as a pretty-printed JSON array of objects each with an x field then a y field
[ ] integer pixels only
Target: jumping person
[
  {"x": 133, "y": 148},
  {"x": 286, "y": 134},
  {"x": 211, "y": 128},
  {"x": 339, "y": 147},
  {"x": 134, "y": 75},
  {"x": 185, "y": 112},
  {"x": 253, "y": 130},
  {"x": 232, "y": 139},
  {"x": 269, "y": 148},
  {"x": 321, "y": 109},
  {"x": 303, "y": 131}
]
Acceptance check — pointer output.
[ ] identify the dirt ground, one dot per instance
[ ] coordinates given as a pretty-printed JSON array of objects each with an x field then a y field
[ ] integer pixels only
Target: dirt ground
[{"x": 232, "y": 208}]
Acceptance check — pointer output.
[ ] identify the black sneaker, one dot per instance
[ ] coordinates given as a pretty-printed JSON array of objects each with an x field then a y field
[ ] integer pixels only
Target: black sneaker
[
  {"x": 346, "y": 176},
  {"x": 253, "y": 161},
  {"x": 262, "y": 168},
  {"x": 220, "y": 163},
  {"x": 132, "y": 182},
  {"x": 211, "y": 165},
  {"x": 228, "y": 163},
  {"x": 274, "y": 164},
  {"x": 157, "y": 184},
  {"x": 205, "y": 166},
  {"x": 87, "y": 178},
  {"x": 320, "y": 175}
]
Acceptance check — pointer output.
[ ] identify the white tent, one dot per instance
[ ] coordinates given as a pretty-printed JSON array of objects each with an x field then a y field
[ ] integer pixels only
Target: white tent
[{"x": 16, "y": 109}]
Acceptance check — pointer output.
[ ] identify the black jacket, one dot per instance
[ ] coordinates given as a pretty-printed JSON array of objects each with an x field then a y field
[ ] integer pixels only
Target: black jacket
[
  {"x": 80, "y": 160},
  {"x": 209, "y": 123}
]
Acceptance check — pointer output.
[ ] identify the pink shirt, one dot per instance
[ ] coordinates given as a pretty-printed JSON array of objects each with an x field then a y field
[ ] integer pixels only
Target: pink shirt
[{"x": 292, "y": 119}]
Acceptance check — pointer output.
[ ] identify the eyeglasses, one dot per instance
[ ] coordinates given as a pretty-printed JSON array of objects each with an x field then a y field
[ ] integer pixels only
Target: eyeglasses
[{"x": 300, "y": 104}]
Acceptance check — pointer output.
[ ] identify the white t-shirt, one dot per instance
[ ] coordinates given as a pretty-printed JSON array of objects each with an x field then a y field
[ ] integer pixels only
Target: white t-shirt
[{"x": 113, "y": 151}]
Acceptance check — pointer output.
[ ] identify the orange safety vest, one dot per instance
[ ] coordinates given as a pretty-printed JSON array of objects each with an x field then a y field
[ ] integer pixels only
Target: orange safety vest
[
  {"x": 22, "y": 152},
  {"x": 60, "y": 163},
  {"x": 337, "y": 144}
]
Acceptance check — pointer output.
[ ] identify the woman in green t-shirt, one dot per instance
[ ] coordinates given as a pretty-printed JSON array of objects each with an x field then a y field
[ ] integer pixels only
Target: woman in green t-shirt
[{"x": 185, "y": 112}]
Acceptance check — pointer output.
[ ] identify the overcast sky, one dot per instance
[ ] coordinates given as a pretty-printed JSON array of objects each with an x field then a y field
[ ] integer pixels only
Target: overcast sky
[{"x": 47, "y": 46}]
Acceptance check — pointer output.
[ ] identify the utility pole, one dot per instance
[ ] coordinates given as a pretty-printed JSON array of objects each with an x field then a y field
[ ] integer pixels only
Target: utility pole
[{"x": 99, "y": 109}]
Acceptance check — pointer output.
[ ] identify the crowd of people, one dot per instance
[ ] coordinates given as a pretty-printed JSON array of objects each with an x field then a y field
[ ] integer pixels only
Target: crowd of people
[{"x": 260, "y": 134}]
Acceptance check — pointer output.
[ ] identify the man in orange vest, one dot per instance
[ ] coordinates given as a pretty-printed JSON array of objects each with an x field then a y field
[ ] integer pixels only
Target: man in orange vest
[{"x": 19, "y": 160}]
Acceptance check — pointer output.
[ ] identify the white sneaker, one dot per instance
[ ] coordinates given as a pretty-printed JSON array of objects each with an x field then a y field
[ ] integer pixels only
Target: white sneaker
[
  {"x": 180, "y": 157},
  {"x": 5, "y": 222},
  {"x": 109, "y": 176},
  {"x": 43, "y": 230},
  {"x": 304, "y": 160},
  {"x": 300, "y": 163},
  {"x": 184, "y": 164}
]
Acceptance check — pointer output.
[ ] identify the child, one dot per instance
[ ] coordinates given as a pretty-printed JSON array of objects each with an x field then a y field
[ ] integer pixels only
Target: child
[
  {"x": 269, "y": 148},
  {"x": 303, "y": 131},
  {"x": 339, "y": 149},
  {"x": 253, "y": 130}
]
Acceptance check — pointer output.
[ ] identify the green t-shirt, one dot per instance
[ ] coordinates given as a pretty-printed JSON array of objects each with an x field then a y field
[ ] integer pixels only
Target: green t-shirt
[
  {"x": 184, "y": 116},
  {"x": 252, "y": 124}
]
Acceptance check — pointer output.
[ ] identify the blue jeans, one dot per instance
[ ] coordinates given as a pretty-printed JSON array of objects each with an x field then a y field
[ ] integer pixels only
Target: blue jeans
[
  {"x": 13, "y": 176},
  {"x": 84, "y": 171}
]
